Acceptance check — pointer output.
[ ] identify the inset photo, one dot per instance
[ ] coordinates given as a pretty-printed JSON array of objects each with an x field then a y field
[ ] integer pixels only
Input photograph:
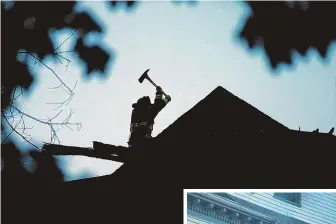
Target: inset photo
[{"x": 260, "y": 207}]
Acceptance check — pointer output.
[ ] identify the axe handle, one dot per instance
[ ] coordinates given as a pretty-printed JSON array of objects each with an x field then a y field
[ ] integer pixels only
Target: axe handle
[{"x": 151, "y": 81}]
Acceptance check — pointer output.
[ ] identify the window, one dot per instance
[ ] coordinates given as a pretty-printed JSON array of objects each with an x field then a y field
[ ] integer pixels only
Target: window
[{"x": 292, "y": 198}]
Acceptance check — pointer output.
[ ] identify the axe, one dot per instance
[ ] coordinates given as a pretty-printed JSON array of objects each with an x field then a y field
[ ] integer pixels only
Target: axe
[{"x": 145, "y": 76}]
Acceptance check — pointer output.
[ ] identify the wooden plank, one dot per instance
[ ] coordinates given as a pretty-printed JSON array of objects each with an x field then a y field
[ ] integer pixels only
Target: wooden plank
[
  {"x": 112, "y": 149},
  {"x": 62, "y": 150}
]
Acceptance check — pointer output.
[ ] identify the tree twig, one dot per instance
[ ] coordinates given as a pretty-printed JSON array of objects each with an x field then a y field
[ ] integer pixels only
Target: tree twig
[
  {"x": 23, "y": 137},
  {"x": 73, "y": 32},
  {"x": 14, "y": 111}
]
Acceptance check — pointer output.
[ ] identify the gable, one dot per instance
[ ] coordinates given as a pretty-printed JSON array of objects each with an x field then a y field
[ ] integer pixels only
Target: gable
[{"x": 221, "y": 110}]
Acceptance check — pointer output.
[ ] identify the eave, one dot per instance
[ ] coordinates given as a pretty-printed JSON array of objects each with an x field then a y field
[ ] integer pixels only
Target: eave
[{"x": 227, "y": 210}]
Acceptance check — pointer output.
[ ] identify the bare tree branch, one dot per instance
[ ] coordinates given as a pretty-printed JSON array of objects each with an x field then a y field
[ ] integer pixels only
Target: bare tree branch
[
  {"x": 73, "y": 32},
  {"x": 12, "y": 130},
  {"x": 56, "y": 87},
  {"x": 68, "y": 51},
  {"x": 23, "y": 137},
  {"x": 13, "y": 111},
  {"x": 50, "y": 69},
  {"x": 54, "y": 126},
  {"x": 65, "y": 102},
  {"x": 44, "y": 122},
  {"x": 21, "y": 88}
]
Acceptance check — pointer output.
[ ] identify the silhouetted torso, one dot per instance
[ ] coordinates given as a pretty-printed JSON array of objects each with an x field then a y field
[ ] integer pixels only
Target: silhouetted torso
[{"x": 142, "y": 120}]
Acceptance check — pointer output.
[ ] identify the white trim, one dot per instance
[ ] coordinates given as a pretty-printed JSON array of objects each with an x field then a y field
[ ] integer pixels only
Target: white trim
[
  {"x": 211, "y": 214},
  {"x": 185, "y": 204},
  {"x": 197, "y": 219},
  {"x": 258, "y": 190},
  {"x": 235, "y": 206}
]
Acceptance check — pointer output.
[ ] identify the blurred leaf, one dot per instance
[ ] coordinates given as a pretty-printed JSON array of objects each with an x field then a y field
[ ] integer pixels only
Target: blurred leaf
[
  {"x": 83, "y": 21},
  {"x": 47, "y": 13},
  {"x": 284, "y": 28},
  {"x": 26, "y": 26},
  {"x": 128, "y": 3},
  {"x": 34, "y": 38},
  {"x": 47, "y": 167},
  {"x": 94, "y": 57},
  {"x": 11, "y": 157},
  {"x": 42, "y": 47},
  {"x": 17, "y": 74}
]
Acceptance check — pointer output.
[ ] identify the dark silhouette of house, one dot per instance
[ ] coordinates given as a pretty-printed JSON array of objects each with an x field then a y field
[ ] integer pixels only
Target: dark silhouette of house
[{"x": 220, "y": 143}]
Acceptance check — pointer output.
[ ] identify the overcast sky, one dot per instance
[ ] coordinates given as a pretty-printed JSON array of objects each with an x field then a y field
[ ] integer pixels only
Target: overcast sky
[{"x": 190, "y": 50}]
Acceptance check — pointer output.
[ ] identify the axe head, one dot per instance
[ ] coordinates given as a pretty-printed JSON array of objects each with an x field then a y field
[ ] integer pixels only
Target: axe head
[{"x": 143, "y": 76}]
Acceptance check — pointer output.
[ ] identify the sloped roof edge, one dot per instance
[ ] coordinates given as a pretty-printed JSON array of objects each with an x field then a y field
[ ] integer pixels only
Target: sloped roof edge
[
  {"x": 225, "y": 195},
  {"x": 219, "y": 90},
  {"x": 311, "y": 133}
]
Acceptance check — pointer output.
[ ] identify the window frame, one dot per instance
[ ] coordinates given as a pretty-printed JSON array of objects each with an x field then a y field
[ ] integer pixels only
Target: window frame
[{"x": 298, "y": 204}]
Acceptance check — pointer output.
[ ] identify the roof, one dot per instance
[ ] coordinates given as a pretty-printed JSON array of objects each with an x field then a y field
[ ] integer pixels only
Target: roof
[
  {"x": 222, "y": 142},
  {"x": 244, "y": 211},
  {"x": 223, "y": 128},
  {"x": 225, "y": 195},
  {"x": 257, "y": 208},
  {"x": 222, "y": 108},
  {"x": 237, "y": 204},
  {"x": 219, "y": 114}
]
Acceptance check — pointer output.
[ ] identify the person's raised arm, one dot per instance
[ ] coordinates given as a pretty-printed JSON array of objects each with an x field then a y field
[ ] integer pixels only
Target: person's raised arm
[{"x": 159, "y": 102}]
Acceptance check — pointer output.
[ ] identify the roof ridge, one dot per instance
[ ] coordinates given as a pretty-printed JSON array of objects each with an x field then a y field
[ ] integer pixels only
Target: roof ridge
[{"x": 222, "y": 93}]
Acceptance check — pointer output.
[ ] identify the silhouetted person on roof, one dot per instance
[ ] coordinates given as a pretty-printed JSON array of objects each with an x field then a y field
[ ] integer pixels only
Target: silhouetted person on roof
[{"x": 143, "y": 116}]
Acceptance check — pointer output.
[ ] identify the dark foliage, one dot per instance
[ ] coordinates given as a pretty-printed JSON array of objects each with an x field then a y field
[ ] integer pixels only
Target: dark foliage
[
  {"x": 95, "y": 57},
  {"x": 26, "y": 29},
  {"x": 83, "y": 22},
  {"x": 281, "y": 28},
  {"x": 128, "y": 3},
  {"x": 13, "y": 165},
  {"x": 25, "y": 195},
  {"x": 27, "y": 26}
]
